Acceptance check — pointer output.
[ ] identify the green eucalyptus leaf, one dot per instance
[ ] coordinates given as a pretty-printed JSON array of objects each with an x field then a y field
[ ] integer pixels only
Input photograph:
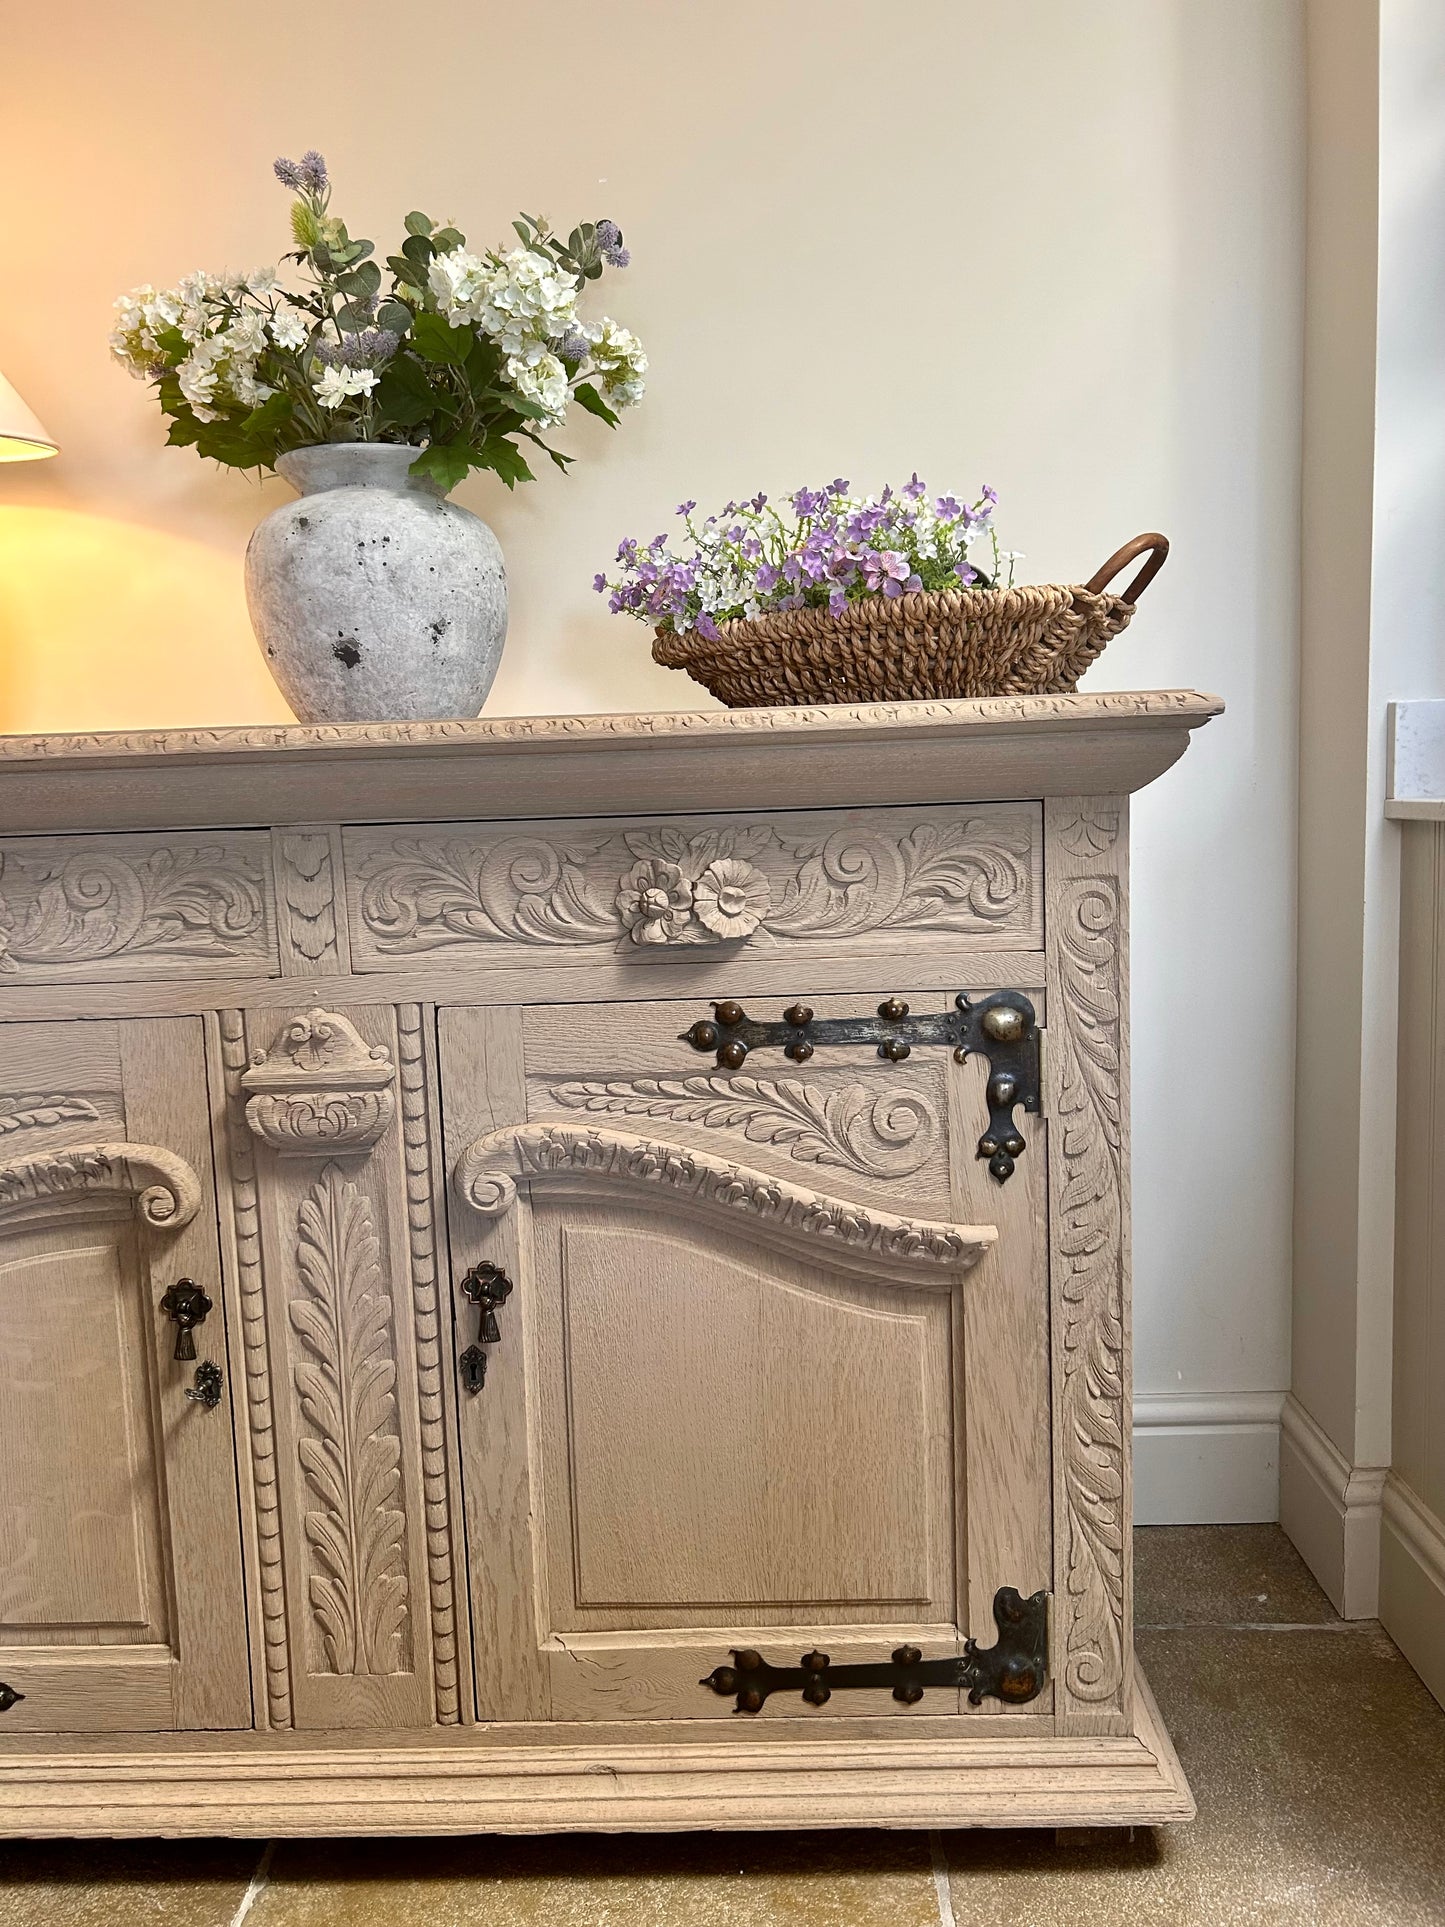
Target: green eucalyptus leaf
[
  {"x": 418, "y": 223},
  {"x": 403, "y": 269},
  {"x": 418, "y": 250},
  {"x": 395, "y": 315},
  {"x": 363, "y": 280},
  {"x": 436, "y": 338},
  {"x": 594, "y": 404},
  {"x": 447, "y": 238}
]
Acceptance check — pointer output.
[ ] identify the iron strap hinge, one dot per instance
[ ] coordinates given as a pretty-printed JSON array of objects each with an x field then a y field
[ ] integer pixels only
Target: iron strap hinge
[
  {"x": 1014, "y": 1669},
  {"x": 1002, "y": 1027}
]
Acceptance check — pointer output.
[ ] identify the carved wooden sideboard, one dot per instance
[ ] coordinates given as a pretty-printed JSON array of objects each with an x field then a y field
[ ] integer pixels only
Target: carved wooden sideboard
[{"x": 572, "y": 1273}]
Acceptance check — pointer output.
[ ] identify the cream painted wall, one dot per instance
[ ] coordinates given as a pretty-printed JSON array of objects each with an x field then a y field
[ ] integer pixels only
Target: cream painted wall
[{"x": 1050, "y": 246}]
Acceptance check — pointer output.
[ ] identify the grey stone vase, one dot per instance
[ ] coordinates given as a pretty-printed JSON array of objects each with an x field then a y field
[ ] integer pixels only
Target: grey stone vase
[{"x": 374, "y": 598}]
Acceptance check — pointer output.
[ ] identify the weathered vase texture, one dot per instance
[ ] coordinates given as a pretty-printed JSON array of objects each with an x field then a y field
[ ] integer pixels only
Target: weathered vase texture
[{"x": 373, "y": 597}]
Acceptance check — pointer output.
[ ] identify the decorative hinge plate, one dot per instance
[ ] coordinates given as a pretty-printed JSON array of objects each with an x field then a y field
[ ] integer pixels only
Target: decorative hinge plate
[{"x": 1014, "y": 1669}]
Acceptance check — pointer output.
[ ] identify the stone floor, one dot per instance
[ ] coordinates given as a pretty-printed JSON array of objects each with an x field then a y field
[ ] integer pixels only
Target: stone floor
[{"x": 1317, "y": 1758}]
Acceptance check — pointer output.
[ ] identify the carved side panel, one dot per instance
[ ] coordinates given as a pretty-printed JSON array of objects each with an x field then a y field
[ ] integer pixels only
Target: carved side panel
[
  {"x": 310, "y": 903},
  {"x": 932, "y": 875},
  {"x": 337, "y": 1249},
  {"x": 106, "y": 907},
  {"x": 1087, "y": 1103}
]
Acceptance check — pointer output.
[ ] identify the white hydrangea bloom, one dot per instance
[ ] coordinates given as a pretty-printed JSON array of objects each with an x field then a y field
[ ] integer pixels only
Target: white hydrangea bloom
[
  {"x": 541, "y": 378},
  {"x": 337, "y": 385},
  {"x": 199, "y": 376},
  {"x": 288, "y": 330},
  {"x": 619, "y": 362},
  {"x": 458, "y": 279},
  {"x": 140, "y": 317}
]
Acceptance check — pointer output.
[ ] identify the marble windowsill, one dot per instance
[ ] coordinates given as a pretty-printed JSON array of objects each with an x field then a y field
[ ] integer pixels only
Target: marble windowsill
[{"x": 1415, "y": 776}]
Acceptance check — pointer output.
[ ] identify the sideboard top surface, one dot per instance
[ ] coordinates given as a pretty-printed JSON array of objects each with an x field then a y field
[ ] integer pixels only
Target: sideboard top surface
[{"x": 997, "y": 748}]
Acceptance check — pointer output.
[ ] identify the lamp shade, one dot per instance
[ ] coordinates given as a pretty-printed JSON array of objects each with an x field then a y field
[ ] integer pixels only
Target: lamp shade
[{"x": 22, "y": 439}]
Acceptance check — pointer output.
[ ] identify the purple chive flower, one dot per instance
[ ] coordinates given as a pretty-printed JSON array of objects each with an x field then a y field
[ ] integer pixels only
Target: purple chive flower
[
  {"x": 313, "y": 172},
  {"x": 609, "y": 240},
  {"x": 572, "y": 346},
  {"x": 287, "y": 173}
]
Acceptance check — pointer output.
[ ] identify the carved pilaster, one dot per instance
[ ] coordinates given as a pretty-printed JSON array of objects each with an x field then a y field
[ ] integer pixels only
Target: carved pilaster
[
  {"x": 247, "y": 1233},
  {"x": 421, "y": 1223},
  {"x": 1087, "y": 1101}
]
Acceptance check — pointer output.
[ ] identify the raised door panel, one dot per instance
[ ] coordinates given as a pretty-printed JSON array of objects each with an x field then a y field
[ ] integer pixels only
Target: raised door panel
[
  {"x": 120, "y": 1579},
  {"x": 754, "y": 1359}
]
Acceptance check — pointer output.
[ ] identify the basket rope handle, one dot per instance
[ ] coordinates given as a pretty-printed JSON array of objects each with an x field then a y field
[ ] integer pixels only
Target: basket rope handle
[{"x": 1158, "y": 547}]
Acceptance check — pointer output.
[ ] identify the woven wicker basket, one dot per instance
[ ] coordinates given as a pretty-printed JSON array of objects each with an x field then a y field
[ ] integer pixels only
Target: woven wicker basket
[{"x": 1029, "y": 641}]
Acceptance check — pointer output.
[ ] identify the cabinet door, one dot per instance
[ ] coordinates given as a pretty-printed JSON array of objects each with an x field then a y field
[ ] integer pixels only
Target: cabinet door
[
  {"x": 766, "y": 1377},
  {"x": 121, "y": 1601}
]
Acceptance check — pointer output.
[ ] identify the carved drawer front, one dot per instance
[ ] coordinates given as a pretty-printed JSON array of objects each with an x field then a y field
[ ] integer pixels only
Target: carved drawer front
[
  {"x": 121, "y": 1603},
  {"x": 752, "y": 1359},
  {"x": 112, "y": 907},
  {"x": 928, "y": 877}
]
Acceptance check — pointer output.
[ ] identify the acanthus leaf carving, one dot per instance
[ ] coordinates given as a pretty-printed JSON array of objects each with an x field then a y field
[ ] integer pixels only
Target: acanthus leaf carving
[
  {"x": 1088, "y": 1133},
  {"x": 165, "y": 1190},
  {"x": 321, "y": 1088},
  {"x": 891, "y": 1135},
  {"x": 574, "y": 1159},
  {"x": 62, "y": 906},
  {"x": 665, "y": 885},
  {"x": 351, "y": 1459}
]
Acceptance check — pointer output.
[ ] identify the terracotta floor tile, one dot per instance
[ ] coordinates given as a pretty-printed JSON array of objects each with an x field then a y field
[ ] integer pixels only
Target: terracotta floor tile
[
  {"x": 1223, "y": 1575},
  {"x": 578, "y": 1880},
  {"x": 124, "y": 1883}
]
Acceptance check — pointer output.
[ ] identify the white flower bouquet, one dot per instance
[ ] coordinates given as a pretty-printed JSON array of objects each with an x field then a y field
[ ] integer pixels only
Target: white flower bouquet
[{"x": 466, "y": 357}]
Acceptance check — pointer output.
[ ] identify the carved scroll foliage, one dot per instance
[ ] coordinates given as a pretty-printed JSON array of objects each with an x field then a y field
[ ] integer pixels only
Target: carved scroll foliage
[
  {"x": 320, "y": 1089},
  {"x": 352, "y": 1457},
  {"x": 577, "y": 1160},
  {"x": 665, "y": 884},
  {"x": 187, "y": 901},
  {"x": 887, "y": 1136},
  {"x": 166, "y": 1190},
  {"x": 1087, "y": 1139}
]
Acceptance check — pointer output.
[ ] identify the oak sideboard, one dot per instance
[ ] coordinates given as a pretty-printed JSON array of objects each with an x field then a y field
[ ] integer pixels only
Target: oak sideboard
[{"x": 572, "y": 1273}]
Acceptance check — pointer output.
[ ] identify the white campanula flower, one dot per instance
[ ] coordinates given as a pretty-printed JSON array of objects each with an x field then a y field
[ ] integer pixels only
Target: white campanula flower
[
  {"x": 337, "y": 384},
  {"x": 288, "y": 330},
  {"x": 619, "y": 361}
]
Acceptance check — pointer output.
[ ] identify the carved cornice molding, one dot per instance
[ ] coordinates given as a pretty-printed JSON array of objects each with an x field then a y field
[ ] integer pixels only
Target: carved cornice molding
[
  {"x": 572, "y": 1160},
  {"x": 320, "y": 1089},
  {"x": 1091, "y": 706},
  {"x": 166, "y": 1190}
]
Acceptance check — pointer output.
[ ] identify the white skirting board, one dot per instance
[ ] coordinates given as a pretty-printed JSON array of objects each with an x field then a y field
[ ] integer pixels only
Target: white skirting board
[
  {"x": 1206, "y": 1458},
  {"x": 1331, "y": 1510},
  {"x": 1412, "y": 1581}
]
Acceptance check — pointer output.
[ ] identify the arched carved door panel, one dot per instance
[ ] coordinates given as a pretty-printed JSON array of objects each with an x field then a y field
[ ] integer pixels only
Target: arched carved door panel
[
  {"x": 726, "y": 1395},
  {"x": 120, "y": 1572}
]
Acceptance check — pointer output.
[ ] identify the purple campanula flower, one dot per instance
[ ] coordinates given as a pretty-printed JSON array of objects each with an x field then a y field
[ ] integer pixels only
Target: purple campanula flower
[
  {"x": 839, "y": 486},
  {"x": 758, "y": 504},
  {"x": 946, "y": 508},
  {"x": 768, "y": 577},
  {"x": 837, "y": 600},
  {"x": 686, "y": 508},
  {"x": 706, "y": 627},
  {"x": 599, "y": 583},
  {"x": 914, "y": 490}
]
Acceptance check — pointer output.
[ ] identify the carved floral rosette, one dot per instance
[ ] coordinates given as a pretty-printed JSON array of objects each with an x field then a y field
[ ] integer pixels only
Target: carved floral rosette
[{"x": 321, "y": 1088}]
